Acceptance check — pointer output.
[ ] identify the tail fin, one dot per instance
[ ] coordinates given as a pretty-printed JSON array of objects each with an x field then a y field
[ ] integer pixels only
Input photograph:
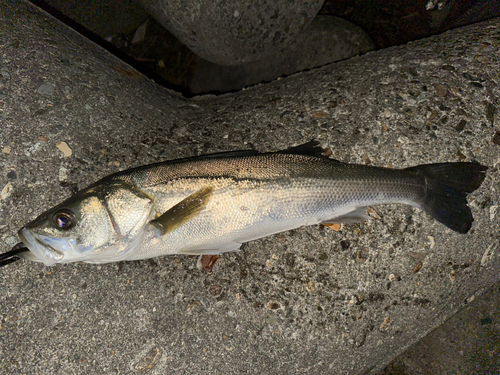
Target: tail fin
[{"x": 447, "y": 186}]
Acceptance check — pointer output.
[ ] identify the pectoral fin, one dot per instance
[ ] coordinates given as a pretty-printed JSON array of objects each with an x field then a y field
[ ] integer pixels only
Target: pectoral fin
[{"x": 182, "y": 211}]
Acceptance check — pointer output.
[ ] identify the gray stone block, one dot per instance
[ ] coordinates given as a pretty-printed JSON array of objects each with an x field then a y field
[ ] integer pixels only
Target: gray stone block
[
  {"x": 237, "y": 31},
  {"x": 312, "y": 300},
  {"x": 326, "y": 40}
]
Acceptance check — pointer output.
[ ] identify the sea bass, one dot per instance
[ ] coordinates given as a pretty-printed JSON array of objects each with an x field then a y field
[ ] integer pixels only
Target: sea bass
[{"x": 213, "y": 204}]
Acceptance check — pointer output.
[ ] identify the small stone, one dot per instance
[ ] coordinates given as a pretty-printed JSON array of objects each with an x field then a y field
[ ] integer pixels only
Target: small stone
[
  {"x": 490, "y": 112},
  {"x": 46, "y": 89},
  {"x": 441, "y": 90},
  {"x": 486, "y": 321},
  {"x": 273, "y": 305},
  {"x": 385, "y": 324},
  {"x": 335, "y": 227},
  {"x": 5, "y": 74},
  {"x": 11, "y": 175},
  {"x": 290, "y": 260},
  {"x": 345, "y": 244},
  {"x": 432, "y": 116},
  {"x": 215, "y": 290},
  {"x": 6, "y": 191},
  {"x": 64, "y": 148},
  {"x": 63, "y": 174},
  {"x": 432, "y": 242},
  {"x": 7, "y": 150},
  {"x": 319, "y": 114},
  {"x": 449, "y": 68},
  {"x": 418, "y": 255},
  {"x": 43, "y": 138},
  {"x": 418, "y": 267},
  {"x": 362, "y": 255},
  {"x": 140, "y": 33},
  {"x": 271, "y": 320},
  {"x": 461, "y": 156},
  {"x": 310, "y": 287},
  {"x": 453, "y": 276},
  {"x": 461, "y": 125},
  {"x": 208, "y": 261},
  {"x": 496, "y": 138},
  {"x": 493, "y": 212},
  {"x": 483, "y": 59},
  {"x": 190, "y": 306},
  {"x": 149, "y": 361},
  {"x": 370, "y": 211}
]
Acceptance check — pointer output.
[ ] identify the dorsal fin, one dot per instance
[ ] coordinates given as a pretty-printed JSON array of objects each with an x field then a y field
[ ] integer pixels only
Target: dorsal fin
[
  {"x": 224, "y": 154},
  {"x": 311, "y": 148}
]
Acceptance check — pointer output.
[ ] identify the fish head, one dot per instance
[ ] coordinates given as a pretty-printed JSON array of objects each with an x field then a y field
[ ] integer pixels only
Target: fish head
[{"x": 100, "y": 224}]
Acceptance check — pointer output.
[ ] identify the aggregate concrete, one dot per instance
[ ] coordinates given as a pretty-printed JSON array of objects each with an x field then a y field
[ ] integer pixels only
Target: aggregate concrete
[{"x": 312, "y": 300}]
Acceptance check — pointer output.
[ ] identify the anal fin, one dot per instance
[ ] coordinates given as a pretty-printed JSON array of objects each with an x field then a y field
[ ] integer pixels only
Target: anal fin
[
  {"x": 182, "y": 211},
  {"x": 356, "y": 216},
  {"x": 212, "y": 249}
]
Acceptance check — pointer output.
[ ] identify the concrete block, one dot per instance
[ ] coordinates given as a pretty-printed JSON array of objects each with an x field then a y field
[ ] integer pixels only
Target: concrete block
[{"x": 312, "y": 300}]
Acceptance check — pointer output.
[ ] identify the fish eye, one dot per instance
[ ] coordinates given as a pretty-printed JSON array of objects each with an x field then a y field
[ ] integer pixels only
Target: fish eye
[{"x": 64, "y": 219}]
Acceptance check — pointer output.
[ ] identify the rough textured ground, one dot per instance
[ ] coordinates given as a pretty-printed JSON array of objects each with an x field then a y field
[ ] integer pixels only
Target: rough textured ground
[
  {"x": 468, "y": 343},
  {"x": 308, "y": 301}
]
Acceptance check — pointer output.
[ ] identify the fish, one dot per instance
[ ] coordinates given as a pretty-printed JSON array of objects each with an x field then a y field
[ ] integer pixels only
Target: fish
[{"x": 212, "y": 204}]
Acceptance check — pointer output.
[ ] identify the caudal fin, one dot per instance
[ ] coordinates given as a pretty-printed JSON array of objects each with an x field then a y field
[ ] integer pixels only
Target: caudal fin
[{"x": 447, "y": 186}]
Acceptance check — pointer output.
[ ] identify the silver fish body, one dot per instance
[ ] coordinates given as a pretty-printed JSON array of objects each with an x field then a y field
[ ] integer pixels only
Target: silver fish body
[{"x": 213, "y": 204}]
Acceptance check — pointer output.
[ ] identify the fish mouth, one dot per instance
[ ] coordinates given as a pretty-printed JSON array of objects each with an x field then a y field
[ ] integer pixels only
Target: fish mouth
[{"x": 47, "y": 250}]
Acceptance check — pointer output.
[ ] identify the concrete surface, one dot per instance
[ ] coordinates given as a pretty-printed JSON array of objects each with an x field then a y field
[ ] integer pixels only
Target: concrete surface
[
  {"x": 307, "y": 301},
  {"x": 106, "y": 18},
  {"x": 468, "y": 343},
  {"x": 234, "y": 32}
]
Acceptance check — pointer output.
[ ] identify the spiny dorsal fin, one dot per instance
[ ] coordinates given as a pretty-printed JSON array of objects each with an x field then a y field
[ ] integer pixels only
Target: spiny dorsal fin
[{"x": 182, "y": 211}]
